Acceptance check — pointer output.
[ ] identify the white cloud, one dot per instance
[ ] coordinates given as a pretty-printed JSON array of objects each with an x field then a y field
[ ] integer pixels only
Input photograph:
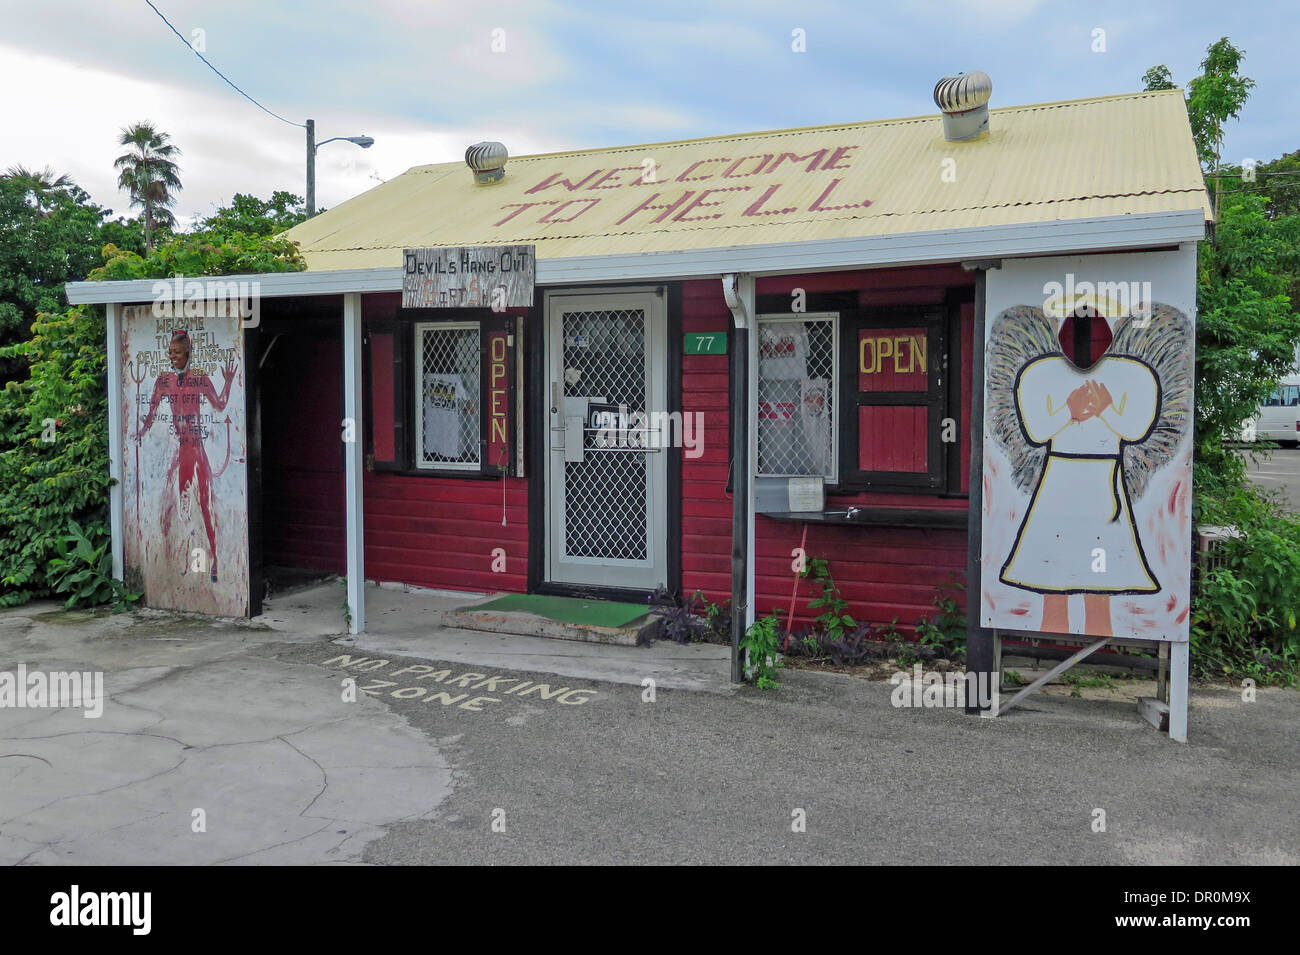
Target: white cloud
[{"x": 69, "y": 117}]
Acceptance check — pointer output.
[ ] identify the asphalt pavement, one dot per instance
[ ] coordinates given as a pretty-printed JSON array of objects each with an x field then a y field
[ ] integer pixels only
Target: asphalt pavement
[
  {"x": 282, "y": 742},
  {"x": 1277, "y": 470}
]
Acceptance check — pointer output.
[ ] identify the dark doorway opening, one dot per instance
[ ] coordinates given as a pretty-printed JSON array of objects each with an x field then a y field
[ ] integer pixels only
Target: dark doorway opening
[{"x": 299, "y": 409}]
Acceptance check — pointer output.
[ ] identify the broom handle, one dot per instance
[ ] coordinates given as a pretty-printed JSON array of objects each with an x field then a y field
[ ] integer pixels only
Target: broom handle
[{"x": 789, "y": 621}]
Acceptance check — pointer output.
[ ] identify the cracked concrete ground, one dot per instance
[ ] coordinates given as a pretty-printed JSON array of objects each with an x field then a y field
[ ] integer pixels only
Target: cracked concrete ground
[
  {"x": 479, "y": 748},
  {"x": 197, "y": 730}
]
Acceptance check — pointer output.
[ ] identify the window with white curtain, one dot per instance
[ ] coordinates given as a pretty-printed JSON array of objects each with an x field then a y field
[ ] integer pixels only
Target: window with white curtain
[{"x": 795, "y": 416}]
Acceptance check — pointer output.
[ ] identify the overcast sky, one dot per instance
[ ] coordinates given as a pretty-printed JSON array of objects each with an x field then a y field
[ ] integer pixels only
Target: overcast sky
[{"x": 423, "y": 78}]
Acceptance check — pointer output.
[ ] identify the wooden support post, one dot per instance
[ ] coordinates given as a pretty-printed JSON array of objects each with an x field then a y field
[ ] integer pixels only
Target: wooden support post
[{"x": 1162, "y": 673}]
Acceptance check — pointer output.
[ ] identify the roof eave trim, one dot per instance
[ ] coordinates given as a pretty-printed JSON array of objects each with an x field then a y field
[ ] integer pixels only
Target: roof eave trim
[{"x": 1134, "y": 231}]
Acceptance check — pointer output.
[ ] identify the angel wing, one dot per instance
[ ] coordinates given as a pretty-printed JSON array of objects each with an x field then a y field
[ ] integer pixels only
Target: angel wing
[
  {"x": 1163, "y": 342},
  {"x": 1019, "y": 335}
]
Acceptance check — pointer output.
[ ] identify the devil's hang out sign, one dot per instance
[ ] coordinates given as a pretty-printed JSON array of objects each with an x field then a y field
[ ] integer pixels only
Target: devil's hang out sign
[
  {"x": 184, "y": 480},
  {"x": 1086, "y": 518}
]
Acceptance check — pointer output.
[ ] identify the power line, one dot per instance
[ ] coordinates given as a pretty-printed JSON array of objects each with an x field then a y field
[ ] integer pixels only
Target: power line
[
  {"x": 219, "y": 73},
  {"x": 1237, "y": 174}
]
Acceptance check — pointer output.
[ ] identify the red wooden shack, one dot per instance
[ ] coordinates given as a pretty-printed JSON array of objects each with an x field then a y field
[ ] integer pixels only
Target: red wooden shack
[{"x": 832, "y": 277}]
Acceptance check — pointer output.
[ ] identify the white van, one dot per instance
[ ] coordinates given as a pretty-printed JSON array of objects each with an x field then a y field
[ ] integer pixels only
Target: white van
[{"x": 1278, "y": 418}]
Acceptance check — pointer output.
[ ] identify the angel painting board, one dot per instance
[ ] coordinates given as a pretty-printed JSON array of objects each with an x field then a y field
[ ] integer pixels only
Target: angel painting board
[{"x": 1077, "y": 441}]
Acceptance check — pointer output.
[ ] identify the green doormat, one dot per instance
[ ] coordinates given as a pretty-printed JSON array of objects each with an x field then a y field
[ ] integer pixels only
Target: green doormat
[{"x": 596, "y": 613}]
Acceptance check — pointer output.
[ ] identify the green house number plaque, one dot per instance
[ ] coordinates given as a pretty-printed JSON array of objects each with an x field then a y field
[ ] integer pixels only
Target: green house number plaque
[{"x": 706, "y": 343}]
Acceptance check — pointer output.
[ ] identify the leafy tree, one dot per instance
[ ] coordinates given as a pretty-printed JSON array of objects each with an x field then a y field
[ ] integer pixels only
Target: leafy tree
[
  {"x": 123, "y": 234},
  {"x": 204, "y": 254},
  {"x": 1247, "y": 326},
  {"x": 1213, "y": 98},
  {"x": 1277, "y": 180},
  {"x": 50, "y": 234},
  {"x": 254, "y": 216},
  {"x": 1158, "y": 78},
  {"x": 1247, "y": 276},
  {"x": 243, "y": 237},
  {"x": 149, "y": 173},
  {"x": 39, "y": 185}
]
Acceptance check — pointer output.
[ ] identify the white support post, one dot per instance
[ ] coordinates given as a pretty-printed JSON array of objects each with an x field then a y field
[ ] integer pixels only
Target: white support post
[
  {"x": 116, "y": 442},
  {"x": 353, "y": 502},
  {"x": 1179, "y": 660},
  {"x": 745, "y": 286}
]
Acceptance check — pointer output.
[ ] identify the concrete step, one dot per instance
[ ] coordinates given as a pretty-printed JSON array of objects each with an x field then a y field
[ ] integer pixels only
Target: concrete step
[{"x": 634, "y": 633}]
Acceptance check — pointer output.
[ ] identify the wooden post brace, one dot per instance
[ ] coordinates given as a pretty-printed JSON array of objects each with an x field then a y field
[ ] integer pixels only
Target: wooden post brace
[{"x": 1052, "y": 674}]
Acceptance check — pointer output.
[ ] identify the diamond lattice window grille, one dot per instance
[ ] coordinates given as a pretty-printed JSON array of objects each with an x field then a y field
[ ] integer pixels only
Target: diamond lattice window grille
[
  {"x": 605, "y": 508},
  {"x": 796, "y": 397},
  {"x": 447, "y": 396}
]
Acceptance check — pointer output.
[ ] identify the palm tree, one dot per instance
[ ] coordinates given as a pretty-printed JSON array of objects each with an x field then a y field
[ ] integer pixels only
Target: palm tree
[
  {"x": 38, "y": 184},
  {"x": 148, "y": 173}
]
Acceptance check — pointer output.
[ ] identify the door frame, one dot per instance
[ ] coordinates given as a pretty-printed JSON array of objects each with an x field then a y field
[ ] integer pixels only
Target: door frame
[{"x": 537, "y": 445}]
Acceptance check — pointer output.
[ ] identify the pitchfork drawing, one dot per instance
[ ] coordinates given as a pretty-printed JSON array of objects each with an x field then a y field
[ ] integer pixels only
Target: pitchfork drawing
[{"x": 137, "y": 379}]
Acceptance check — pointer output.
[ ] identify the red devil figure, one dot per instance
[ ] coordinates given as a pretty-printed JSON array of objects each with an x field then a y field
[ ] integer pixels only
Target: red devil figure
[{"x": 184, "y": 389}]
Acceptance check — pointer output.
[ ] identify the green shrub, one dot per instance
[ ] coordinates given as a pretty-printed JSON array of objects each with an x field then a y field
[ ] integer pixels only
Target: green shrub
[
  {"x": 53, "y": 453},
  {"x": 833, "y": 621},
  {"x": 946, "y": 630},
  {"x": 1245, "y": 611},
  {"x": 85, "y": 570},
  {"x": 760, "y": 647}
]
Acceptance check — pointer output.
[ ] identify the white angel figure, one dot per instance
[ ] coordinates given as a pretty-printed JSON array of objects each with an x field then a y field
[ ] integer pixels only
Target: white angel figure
[{"x": 1084, "y": 442}]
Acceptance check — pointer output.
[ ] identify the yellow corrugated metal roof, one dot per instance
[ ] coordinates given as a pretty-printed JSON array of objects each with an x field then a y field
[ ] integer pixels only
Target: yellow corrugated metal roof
[{"x": 1054, "y": 161}]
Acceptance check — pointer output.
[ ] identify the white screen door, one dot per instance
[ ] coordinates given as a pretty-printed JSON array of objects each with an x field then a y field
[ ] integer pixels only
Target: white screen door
[{"x": 606, "y": 515}]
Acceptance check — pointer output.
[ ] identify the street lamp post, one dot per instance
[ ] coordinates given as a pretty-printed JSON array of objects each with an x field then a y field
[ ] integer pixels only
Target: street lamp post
[{"x": 365, "y": 142}]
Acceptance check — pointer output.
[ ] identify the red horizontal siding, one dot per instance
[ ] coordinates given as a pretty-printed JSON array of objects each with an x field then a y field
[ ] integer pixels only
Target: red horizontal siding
[
  {"x": 441, "y": 532},
  {"x": 706, "y": 505},
  {"x": 701, "y": 529},
  {"x": 699, "y": 507},
  {"x": 884, "y": 573}
]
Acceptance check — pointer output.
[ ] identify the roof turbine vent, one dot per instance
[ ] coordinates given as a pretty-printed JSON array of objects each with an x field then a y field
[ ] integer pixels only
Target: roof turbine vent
[
  {"x": 488, "y": 162},
  {"x": 964, "y": 99}
]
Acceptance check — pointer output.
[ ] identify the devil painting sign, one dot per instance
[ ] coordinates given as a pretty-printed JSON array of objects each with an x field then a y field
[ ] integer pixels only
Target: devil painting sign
[
  {"x": 1087, "y": 466},
  {"x": 185, "y": 494}
]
